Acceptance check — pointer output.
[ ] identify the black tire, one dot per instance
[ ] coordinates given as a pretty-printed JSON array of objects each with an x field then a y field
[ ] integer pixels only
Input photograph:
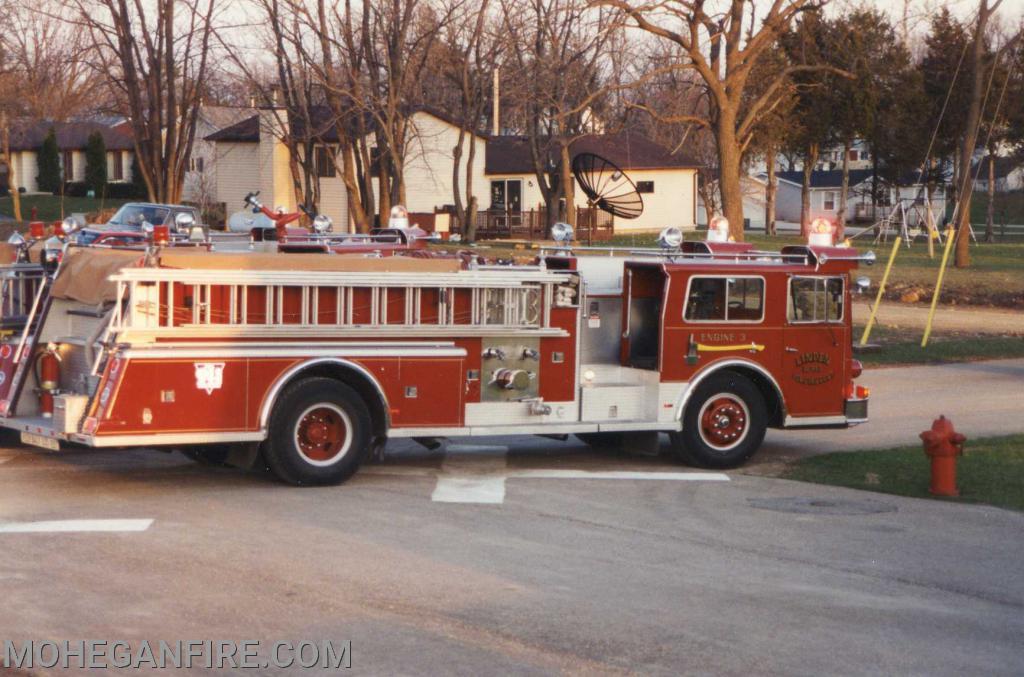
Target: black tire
[
  {"x": 724, "y": 423},
  {"x": 320, "y": 432},
  {"x": 207, "y": 454}
]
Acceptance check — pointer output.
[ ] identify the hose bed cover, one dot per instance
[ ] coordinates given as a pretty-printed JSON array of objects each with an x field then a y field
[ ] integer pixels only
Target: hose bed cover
[{"x": 84, "y": 274}]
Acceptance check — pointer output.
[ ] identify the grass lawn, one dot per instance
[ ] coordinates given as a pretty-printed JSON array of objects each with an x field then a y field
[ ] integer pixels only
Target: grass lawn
[
  {"x": 996, "y": 275},
  {"x": 1009, "y": 208},
  {"x": 942, "y": 349},
  {"x": 53, "y": 208},
  {"x": 990, "y": 471}
]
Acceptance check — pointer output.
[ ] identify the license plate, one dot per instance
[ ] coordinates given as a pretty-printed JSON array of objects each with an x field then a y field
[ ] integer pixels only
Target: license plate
[{"x": 40, "y": 441}]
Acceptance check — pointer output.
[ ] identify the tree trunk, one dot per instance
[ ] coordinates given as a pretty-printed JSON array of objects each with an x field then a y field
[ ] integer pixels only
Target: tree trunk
[
  {"x": 990, "y": 234},
  {"x": 383, "y": 192},
  {"x": 769, "y": 196},
  {"x": 471, "y": 201},
  {"x": 970, "y": 138},
  {"x": 460, "y": 211},
  {"x": 929, "y": 217},
  {"x": 810, "y": 159},
  {"x": 844, "y": 193},
  {"x": 566, "y": 180},
  {"x": 12, "y": 177},
  {"x": 729, "y": 161},
  {"x": 356, "y": 210}
]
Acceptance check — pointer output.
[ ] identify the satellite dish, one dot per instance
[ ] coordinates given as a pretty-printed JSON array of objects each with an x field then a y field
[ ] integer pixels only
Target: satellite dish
[
  {"x": 244, "y": 221},
  {"x": 607, "y": 187}
]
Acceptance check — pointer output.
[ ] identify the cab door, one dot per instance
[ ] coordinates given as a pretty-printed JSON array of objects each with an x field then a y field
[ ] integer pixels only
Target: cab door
[{"x": 814, "y": 345}]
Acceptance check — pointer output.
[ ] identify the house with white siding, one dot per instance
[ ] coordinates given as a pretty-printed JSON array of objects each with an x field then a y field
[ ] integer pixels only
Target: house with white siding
[
  {"x": 200, "y": 184},
  {"x": 72, "y": 137},
  {"x": 866, "y": 202},
  {"x": 666, "y": 181},
  {"x": 251, "y": 155}
]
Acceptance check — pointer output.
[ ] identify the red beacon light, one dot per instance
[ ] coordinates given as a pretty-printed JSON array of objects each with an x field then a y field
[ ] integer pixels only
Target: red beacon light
[
  {"x": 822, "y": 233},
  {"x": 161, "y": 234},
  {"x": 718, "y": 229}
]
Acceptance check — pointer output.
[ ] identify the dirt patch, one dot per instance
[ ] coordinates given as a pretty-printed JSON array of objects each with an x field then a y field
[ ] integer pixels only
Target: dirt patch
[{"x": 955, "y": 295}]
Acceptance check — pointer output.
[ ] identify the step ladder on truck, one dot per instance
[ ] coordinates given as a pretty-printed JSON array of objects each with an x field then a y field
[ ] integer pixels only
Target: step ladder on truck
[{"x": 310, "y": 369}]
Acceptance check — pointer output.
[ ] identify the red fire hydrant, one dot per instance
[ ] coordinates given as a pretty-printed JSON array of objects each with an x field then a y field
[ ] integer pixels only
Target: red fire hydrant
[{"x": 942, "y": 444}]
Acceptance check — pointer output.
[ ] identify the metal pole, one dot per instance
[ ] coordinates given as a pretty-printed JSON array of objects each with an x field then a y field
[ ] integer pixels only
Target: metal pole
[
  {"x": 938, "y": 287},
  {"x": 881, "y": 291}
]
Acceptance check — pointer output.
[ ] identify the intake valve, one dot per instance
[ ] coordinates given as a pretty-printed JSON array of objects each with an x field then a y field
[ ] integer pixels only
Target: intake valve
[
  {"x": 531, "y": 354},
  {"x": 494, "y": 353},
  {"x": 512, "y": 379}
]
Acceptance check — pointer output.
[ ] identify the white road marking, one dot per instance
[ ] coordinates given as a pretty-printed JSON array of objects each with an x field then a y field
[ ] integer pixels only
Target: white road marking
[
  {"x": 467, "y": 479},
  {"x": 480, "y": 478},
  {"x": 69, "y": 526}
]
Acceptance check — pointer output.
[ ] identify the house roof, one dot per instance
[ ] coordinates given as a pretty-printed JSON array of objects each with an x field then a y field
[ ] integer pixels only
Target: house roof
[
  {"x": 832, "y": 178},
  {"x": 29, "y": 135},
  {"x": 217, "y": 118},
  {"x": 245, "y": 131},
  {"x": 1004, "y": 165},
  {"x": 628, "y": 150},
  {"x": 322, "y": 120}
]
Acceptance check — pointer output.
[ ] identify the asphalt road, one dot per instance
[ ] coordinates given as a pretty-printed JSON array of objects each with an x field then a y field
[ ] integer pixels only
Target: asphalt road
[{"x": 504, "y": 560}]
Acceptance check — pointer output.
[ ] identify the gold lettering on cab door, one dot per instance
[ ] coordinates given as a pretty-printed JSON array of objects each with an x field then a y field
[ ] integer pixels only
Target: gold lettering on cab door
[{"x": 813, "y": 369}]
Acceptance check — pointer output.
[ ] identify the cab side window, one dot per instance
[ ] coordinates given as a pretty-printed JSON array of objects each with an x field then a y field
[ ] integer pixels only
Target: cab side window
[
  {"x": 725, "y": 299},
  {"x": 815, "y": 299}
]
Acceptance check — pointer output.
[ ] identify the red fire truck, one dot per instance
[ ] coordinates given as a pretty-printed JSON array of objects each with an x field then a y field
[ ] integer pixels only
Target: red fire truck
[{"x": 311, "y": 369}]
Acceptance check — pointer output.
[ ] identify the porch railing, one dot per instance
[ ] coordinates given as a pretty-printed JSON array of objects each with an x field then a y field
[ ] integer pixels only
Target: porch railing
[{"x": 592, "y": 225}]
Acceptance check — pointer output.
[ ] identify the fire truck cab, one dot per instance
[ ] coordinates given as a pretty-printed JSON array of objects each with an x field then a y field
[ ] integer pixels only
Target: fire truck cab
[{"x": 311, "y": 363}]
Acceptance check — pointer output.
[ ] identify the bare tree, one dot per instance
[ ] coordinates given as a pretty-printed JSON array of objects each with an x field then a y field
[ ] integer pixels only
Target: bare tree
[
  {"x": 471, "y": 50},
  {"x": 981, "y": 73},
  {"x": 47, "y": 75},
  {"x": 155, "y": 57},
  {"x": 723, "y": 49},
  {"x": 559, "y": 54}
]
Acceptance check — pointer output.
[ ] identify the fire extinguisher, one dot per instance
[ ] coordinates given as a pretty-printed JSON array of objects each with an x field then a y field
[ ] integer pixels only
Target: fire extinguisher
[{"x": 48, "y": 377}]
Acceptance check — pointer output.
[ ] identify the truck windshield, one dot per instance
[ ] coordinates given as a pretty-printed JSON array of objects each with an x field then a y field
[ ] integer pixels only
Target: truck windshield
[{"x": 132, "y": 216}]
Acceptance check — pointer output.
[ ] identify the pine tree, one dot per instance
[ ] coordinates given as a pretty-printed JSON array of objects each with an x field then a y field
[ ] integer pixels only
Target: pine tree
[
  {"x": 96, "y": 163},
  {"x": 49, "y": 178}
]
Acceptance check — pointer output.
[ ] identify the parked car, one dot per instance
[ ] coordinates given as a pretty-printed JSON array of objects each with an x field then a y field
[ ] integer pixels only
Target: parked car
[{"x": 130, "y": 217}]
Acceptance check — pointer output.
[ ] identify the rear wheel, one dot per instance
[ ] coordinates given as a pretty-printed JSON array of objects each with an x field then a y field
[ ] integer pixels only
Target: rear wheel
[
  {"x": 320, "y": 432},
  {"x": 724, "y": 423}
]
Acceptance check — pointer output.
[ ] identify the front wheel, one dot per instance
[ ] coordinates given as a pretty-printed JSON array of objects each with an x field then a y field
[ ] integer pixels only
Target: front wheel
[
  {"x": 724, "y": 423},
  {"x": 320, "y": 433}
]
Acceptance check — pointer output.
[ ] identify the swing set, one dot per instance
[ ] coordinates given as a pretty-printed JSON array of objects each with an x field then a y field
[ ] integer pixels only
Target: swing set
[{"x": 899, "y": 213}]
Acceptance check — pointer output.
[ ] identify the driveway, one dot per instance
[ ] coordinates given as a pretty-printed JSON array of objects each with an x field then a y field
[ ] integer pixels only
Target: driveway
[{"x": 533, "y": 556}]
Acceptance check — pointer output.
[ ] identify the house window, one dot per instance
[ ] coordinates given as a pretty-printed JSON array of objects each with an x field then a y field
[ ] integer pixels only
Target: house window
[
  {"x": 507, "y": 195},
  {"x": 829, "y": 201},
  {"x": 196, "y": 164},
  {"x": 815, "y": 299},
  {"x": 725, "y": 299},
  {"x": 116, "y": 166},
  {"x": 854, "y": 155},
  {"x": 645, "y": 186},
  {"x": 323, "y": 158},
  {"x": 69, "y": 165}
]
